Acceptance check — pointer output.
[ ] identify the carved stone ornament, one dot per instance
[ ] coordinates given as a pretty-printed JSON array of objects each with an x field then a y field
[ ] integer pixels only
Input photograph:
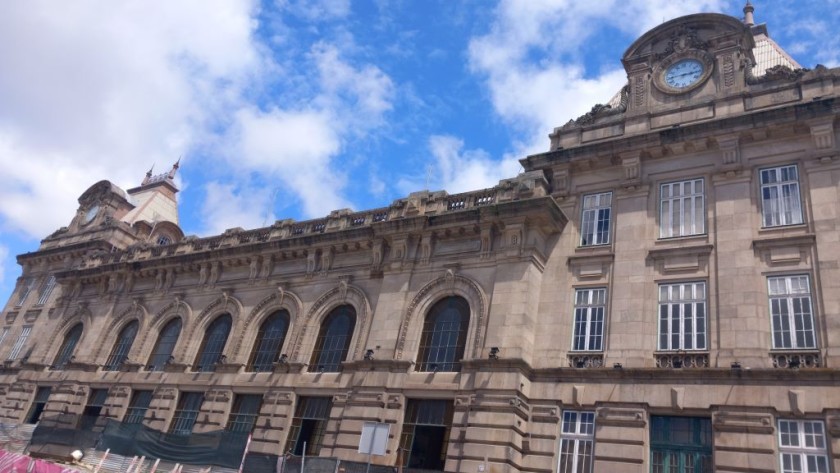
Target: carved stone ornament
[
  {"x": 683, "y": 39},
  {"x": 775, "y": 73}
]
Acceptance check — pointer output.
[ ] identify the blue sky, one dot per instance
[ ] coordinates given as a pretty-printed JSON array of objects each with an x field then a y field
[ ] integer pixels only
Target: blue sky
[{"x": 291, "y": 109}]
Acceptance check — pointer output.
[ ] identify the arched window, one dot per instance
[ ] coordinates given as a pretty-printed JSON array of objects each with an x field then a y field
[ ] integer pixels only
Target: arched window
[
  {"x": 213, "y": 345},
  {"x": 269, "y": 341},
  {"x": 65, "y": 353},
  {"x": 334, "y": 339},
  {"x": 444, "y": 335},
  {"x": 121, "y": 348},
  {"x": 165, "y": 345}
]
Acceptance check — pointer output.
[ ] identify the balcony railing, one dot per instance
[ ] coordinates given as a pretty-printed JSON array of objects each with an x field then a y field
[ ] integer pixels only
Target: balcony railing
[
  {"x": 682, "y": 360},
  {"x": 797, "y": 359}
]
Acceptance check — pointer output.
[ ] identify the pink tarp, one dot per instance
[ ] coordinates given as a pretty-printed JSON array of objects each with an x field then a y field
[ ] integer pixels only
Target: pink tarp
[{"x": 19, "y": 463}]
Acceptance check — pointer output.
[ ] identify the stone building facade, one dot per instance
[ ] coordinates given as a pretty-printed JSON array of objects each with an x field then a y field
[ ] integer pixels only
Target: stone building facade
[{"x": 660, "y": 291}]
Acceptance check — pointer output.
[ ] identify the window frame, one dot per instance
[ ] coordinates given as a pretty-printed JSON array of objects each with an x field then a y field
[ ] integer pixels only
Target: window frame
[
  {"x": 309, "y": 408},
  {"x": 39, "y": 402},
  {"x": 20, "y": 342},
  {"x": 802, "y": 451},
  {"x": 46, "y": 290},
  {"x": 266, "y": 350},
  {"x": 213, "y": 344},
  {"x": 186, "y": 413},
  {"x": 778, "y": 217},
  {"x": 587, "y": 311},
  {"x": 574, "y": 442},
  {"x": 332, "y": 349},
  {"x": 26, "y": 289},
  {"x": 680, "y": 303},
  {"x": 135, "y": 413},
  {"x": 122, "y": 347},
  {"x": 420, "y": 413},
  {"x": 590, "y": 233},
  {"x": 701, "y": 430},
  {"x": 789, "y": 298},
  {"x": 156, "y": 361},
  {"x": 93, "y": 409},
  {"x": 68, "y": 346},
  {"x": 244, "y": 421},
  {"x": 685, "y": 230},
  {"x": 434, "y": 354}
]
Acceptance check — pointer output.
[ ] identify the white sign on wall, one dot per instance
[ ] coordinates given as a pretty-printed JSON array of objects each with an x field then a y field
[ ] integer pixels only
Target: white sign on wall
[{"x": 374, "y": 438}]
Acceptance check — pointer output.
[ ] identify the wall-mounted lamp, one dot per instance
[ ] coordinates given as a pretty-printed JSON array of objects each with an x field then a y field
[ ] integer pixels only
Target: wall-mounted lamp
[
  {"x": 494, "y": 353},
  {"x": 369, "y": 354},
  {"x": 617, "y": 366},
  {"x": 736, "y": 365}
]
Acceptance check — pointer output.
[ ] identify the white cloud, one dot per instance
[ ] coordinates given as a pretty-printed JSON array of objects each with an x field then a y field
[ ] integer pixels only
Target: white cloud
[
  {"x": 317, "y": 9},
  {"x": 533, "y": 64},
  {"x": 105, "y": 90},
  {"x": 4, "y": 253},
  {"x": 457, "y": 169},
  {"x": 229, "y": 206}
]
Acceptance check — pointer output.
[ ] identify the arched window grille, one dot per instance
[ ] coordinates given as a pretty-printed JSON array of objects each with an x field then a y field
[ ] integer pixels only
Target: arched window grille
[
  {"x": 65, "y": 353},
  {"x": 444, "y": 335},
  {"x": 334, "y": 339},
  {"x": 165, "y": 346},
  {"x": 213, "y": 345},
  {"x": 121, "y": 348},
  {"x": 270, "y": 339}
]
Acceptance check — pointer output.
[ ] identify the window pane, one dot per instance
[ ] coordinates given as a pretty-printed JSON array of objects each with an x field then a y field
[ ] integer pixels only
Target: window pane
[
  {"x": 444, "y": 336},
  {"x": 270, "y": 339},
  {"x": 122, "y": 346},
  {"x": 213, "y": 347},
  {"x": 162, "y": 353},
  {"x": 65, "y": 353},
  {"x": 334, "y": 340}
]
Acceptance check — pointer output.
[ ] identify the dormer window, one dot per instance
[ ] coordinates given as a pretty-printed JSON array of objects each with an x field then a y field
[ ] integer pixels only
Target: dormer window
[{"x": 163, "y": 240}]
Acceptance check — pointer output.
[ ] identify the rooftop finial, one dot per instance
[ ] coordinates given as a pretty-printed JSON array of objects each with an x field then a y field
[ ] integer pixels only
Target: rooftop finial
[
  {"x": 748, "y": 14},
  {"x": 174, "y": 168},
  {"x": 148, "y": 175}
]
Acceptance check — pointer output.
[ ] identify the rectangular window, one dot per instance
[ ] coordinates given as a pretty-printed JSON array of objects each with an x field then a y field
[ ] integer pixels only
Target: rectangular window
[
  {"x": 20, "y": 342},
  {"x": 308, "y": 425},
  {"x": 802, "y": 446},
  {"x": 94, "y": 407},
  {"x": 186, "y": 414},
  {"x": 780, "y": 204},
  {"x": 46, "y": 290},
  {"x": 3, "y": 336},
  {"x": 791, "y": 313},
  {"x": 595, "y": 219},
  {"x": 682, "y": 316},
  {"x": 682, "y": 209},
  {"x": 26, "y": 288},
  {"x": 590, "y": 305},
  {"x": 38, "y": 404},
  {"x": 425, "y": 436},
  {"x": 243, "y": 416},
  {"x": 136, "y": 412},
  {"x": 680, "y": 444},
  {"x": 577, "y": 442}
]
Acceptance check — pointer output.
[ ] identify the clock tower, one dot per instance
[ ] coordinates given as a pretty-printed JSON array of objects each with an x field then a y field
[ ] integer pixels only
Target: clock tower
[{"x": 689, "y": 64}]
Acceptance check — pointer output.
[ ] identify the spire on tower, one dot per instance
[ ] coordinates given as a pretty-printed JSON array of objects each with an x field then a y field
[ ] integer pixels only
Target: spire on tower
[{"x": 748, "y": 14}]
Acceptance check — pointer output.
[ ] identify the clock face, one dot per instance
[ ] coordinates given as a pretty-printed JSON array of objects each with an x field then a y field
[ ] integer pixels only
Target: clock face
[
  {"x": 683, "y": 73},
  {"x": 91, "y": 213}
]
